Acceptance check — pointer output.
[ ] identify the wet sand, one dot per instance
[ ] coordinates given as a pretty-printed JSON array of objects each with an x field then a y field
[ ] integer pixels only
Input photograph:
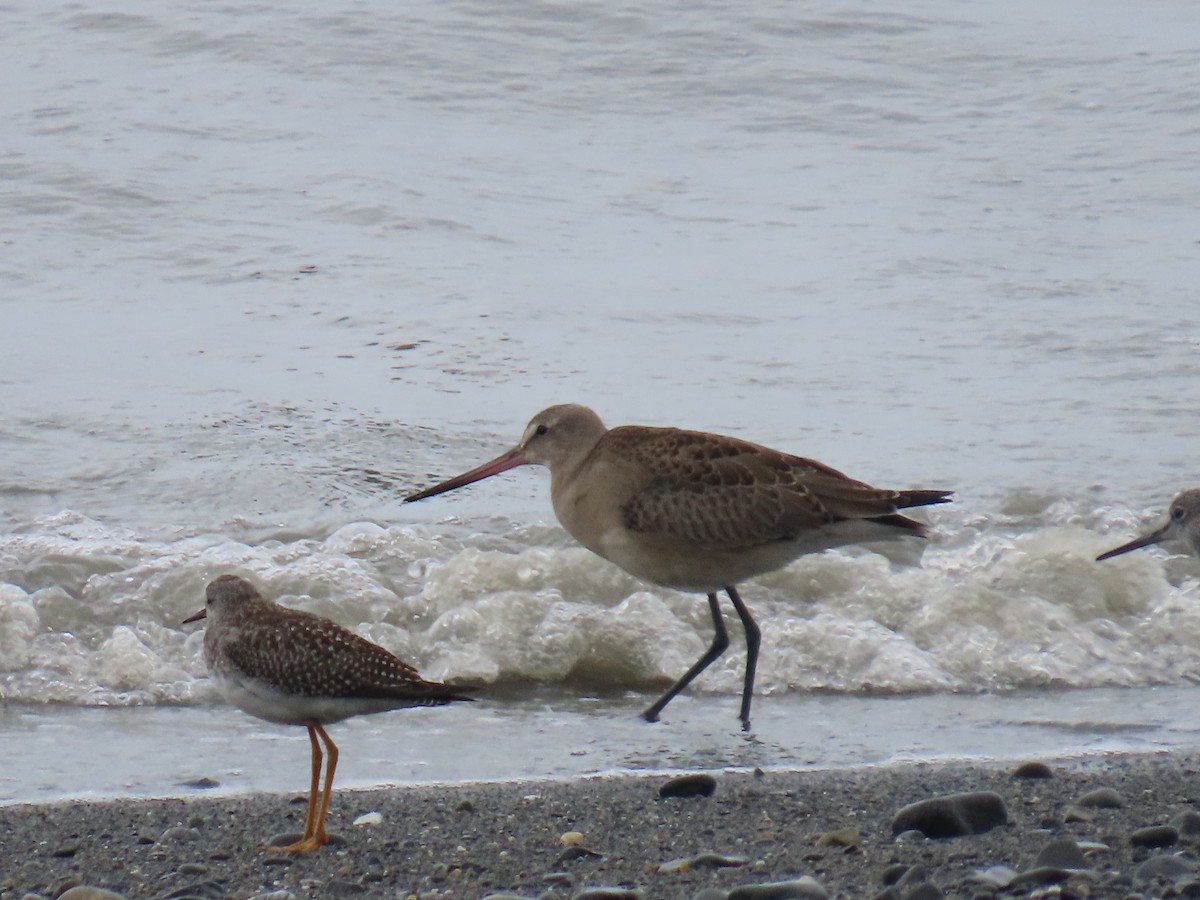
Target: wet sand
[{"x": 469, "y": 841}]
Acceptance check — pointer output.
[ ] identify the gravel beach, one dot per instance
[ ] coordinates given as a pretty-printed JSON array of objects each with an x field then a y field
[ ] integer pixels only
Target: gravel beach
[{"x": 1118, "y": 826}]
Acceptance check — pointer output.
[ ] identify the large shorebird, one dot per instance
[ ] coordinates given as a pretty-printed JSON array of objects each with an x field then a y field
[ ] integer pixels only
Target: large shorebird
[
  {"x": 696, "y": 511},
  {"x": 294, "y": 668},
  {"x": 1183, "y": 524}
]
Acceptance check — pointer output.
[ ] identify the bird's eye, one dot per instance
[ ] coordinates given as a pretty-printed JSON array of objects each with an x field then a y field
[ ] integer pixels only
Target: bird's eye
[
  {"x": 1177, "y": 513},
  {"x": 540, "y": 430}
]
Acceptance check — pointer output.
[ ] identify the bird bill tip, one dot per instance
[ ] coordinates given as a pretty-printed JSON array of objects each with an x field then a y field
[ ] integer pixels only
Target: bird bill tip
[
  {"x": 195, "y": 617},
  {"x": 1135, "y": 544},
  {"x": 509, "y": 460}
]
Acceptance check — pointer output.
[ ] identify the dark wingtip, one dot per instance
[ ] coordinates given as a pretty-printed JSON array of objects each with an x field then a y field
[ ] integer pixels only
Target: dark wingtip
[
  {"x": 906, "y": 499},
  {"x": 460, "y": 692},
  {"x": 909, "y": 499}
]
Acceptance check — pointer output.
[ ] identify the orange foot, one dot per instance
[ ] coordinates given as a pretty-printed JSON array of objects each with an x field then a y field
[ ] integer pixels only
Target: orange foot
[
  {"x": 304, "y": 845},
  {"x": 299, "y": 843}
]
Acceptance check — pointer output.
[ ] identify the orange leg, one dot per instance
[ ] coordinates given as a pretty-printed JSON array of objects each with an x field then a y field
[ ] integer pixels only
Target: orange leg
[
  {"x": 314, "y": 825},
  {"x": 331, "y": 755}
]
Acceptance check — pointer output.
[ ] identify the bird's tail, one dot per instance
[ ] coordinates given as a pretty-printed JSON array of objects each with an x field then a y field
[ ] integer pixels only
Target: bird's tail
[
  {"x": 423, "y": 693},
  {"x": 450, "y": 693},
  {"x": 908, "y": 499}
]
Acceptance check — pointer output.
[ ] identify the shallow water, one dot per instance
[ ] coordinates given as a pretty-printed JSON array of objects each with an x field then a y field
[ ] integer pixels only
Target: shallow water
[
  {"x": 267, "y": 270},
  {"x": 62, "y": 752}
]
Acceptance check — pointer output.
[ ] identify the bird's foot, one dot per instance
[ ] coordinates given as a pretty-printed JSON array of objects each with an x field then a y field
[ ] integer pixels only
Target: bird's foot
[
  {"x": 304, "y": 845},
  {"x": 295, "y": 842}
]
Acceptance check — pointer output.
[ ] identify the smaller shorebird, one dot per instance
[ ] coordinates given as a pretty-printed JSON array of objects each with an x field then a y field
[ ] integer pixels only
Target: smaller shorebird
[
  {"x": 294, "y": 668},
  {"x": 697, "y": 511},
  {"x": 1183, "y": 524}
]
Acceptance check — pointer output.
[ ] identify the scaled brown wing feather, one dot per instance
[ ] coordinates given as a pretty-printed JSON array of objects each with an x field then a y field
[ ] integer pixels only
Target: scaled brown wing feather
[
  {"x": 845, "y": 498},
  {"x": 721, "y": 491}
]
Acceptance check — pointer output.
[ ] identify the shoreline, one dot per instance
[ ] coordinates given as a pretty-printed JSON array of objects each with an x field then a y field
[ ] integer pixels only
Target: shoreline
[
  {"x": 827, "y": 830},
  {"x": 154, "y": 752}
]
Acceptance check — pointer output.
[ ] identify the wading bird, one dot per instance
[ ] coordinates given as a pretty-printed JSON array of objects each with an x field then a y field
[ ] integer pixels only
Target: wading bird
[
  {"x": 295, "y": 668},
  {"x": 697, "y": 511}
]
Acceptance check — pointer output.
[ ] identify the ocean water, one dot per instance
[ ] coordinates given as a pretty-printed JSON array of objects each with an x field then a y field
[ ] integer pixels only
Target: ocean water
[{"x": 267, "y": 269}]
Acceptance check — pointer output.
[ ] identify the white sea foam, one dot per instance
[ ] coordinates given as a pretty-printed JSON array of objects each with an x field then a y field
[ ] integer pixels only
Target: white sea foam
[{"x": 92, "y": 615}]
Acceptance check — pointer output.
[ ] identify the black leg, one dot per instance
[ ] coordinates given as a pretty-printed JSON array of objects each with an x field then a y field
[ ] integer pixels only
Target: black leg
[
  {"x": 719, "y": 644},
  {"x": 753, "y": 639}
]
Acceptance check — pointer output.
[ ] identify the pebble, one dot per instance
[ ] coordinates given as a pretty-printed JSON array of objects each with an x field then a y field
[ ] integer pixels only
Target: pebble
[
  {"x": 1062, "y": 853},
  {"x": 1165, "y": 866},
  {"x": 842, "y": 837},
  {"x": 575, "y": 852},
  {"x": 913, "y": 884},
  {"x": 806, "y": 888},
  {"x": 710, "y": 860},
  {"x": 1155, "y": 836},
  {"x": 179, "y": 834},
  {"x": 205, "y": 890},
  {"x": 68, "y": 883},
  {"x": 953, "y": 815},
  {"x": 1079, "y": 814},
  {"x": 699, "y": 785},
  {"x": 1042, "y": 875},
  {"x": 340, "y": 887},
  {"x": 997, "y": 876},
  {"x": 1101, "y": 798},
  {"x": 1033, "y": 770},
  {"x": 912, "y": 875},
  {"x": 1188, "y": 822},
  {"x": 275, "y": 895},
  {"x": 86, "y": 892},
  {"x": 702, "y": 861},
  {"x": 371, "y": 818}
]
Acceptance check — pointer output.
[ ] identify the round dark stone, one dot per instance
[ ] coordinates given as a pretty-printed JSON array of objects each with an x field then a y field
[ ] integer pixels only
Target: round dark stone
[{"x": 698, "y": 785}]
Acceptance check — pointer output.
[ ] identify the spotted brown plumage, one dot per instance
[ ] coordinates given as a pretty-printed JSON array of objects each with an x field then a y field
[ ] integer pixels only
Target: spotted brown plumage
[
  {"x": 305, "y": 655},
  {"x": 295, "y": 668},
  {"x": 697, "y": 511}
]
